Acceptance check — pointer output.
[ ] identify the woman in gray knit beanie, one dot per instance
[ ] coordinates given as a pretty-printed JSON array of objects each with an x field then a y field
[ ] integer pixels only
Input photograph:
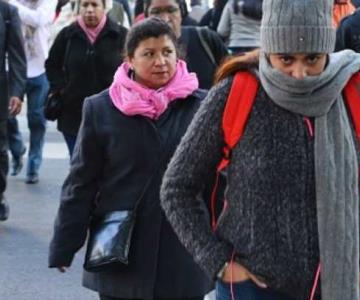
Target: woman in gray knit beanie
[{"x": 292, "y": 192}]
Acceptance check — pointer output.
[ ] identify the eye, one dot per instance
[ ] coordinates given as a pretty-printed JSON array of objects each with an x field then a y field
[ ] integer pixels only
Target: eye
[
  {"x": 155, "y": 11},
  {"x": 168, "y": 52},
  {"x": 148, "y": 54},
  {"x": 312, "y": 59},
  {"x": 286, "y": 59}
]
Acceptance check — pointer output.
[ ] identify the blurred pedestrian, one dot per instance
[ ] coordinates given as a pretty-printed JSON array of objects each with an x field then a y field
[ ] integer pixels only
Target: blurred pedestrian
[
  {"x": 342, "y": 8},
  {"x": 12, "y": 82},
  {"x": 292, "y": 197},
  {"x": 203, "y": 49},
  {"x": 212, "y": 17},
  {"x": 126, "y": 139},
  {"x": 82, "y": 62},
  {"x": 241, "y": 31},
  {"x": 348, "y": 33},
  {"x": 197, "y": 10},
  {"x": 36, "y": 17}
]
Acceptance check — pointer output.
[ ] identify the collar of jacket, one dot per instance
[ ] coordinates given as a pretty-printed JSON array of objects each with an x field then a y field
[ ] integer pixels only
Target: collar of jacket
[{"x": 110, "y": 27}]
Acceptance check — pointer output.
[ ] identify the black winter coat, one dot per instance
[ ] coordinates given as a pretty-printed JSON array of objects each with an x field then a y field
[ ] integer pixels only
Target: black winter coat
[
  {"x": 196, "y": 56},
  {"x": 77, "y": 69},
  {"x": 348, "y": 33},
  {"x": 114, "y": 157}
]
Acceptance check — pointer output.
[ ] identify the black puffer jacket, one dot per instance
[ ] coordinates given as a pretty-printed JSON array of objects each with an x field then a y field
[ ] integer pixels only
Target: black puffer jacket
[{"x": 77, "y": 69}]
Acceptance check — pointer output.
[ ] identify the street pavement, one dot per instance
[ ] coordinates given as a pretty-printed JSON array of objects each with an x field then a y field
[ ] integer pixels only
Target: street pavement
[{"x": 24, "y": 238}]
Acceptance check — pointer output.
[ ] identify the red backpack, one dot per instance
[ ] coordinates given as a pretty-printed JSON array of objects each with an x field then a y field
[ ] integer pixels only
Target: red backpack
[{"x": 237, "y": 110}]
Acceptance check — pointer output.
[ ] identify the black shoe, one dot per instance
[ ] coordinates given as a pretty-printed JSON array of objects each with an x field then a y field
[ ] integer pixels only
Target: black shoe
[
  {"x": 4, "y": 210},
  {"x": 32, "y": 178},
  {"x": 17, "y": 164}
]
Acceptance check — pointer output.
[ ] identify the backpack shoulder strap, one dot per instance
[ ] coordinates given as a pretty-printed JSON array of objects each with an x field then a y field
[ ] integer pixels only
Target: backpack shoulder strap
[
  {"x": 237, "y": 110},
  {"x": 352, "y": 98},
  {"x": 205, "y": 44},
  {"x": 236, "y": 113}
]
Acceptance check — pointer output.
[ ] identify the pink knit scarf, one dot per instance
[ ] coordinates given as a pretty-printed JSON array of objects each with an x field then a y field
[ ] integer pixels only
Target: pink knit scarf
[
  {"x": 92, "y": 33},
  {"x": 132, "y": 98}
]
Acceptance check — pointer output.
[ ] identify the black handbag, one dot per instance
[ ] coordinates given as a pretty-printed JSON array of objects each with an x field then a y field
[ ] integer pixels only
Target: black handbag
[
  {"x": 52, "y": 107},
  {"x": 110, "y": 238},
  {"x": 109, "y": 241}
]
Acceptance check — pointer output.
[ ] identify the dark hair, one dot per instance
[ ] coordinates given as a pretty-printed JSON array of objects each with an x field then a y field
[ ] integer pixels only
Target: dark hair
[
  {"x": 148, "y": 28},
  {"x": 103, "y": 2},
  {"x": 233, "y": 64},
  {"x": 182, "y": 5}
]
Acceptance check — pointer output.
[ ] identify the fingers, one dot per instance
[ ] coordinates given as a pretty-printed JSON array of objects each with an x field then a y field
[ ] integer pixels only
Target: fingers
[
  {"x": 257, "y": 281},
  {"x": 62, "y": 269},
  {"x": 15, "y": 106},
  {"x": 236, "y": 272}
]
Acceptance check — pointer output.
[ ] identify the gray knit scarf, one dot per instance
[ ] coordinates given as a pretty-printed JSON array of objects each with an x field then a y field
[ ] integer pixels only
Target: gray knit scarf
[{"x": 336, "y": 165}]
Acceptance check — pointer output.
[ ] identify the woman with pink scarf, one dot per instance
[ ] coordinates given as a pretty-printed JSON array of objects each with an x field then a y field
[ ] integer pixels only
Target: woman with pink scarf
[
  {"x": 127, "y": 136},
  {"x": 82, "y": 62}
]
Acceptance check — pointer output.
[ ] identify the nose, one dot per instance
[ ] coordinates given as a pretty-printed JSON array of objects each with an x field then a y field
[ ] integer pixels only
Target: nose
[
  {"x": 160, "y": 60},
  {"x": 89, "y": 8},
  {"x": 165, "y": 17},
  {"x": 298, "y": 71}
]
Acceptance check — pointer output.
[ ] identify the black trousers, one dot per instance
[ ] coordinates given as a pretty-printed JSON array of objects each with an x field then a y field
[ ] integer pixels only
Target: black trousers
[
  {"x": 4, "y": 159},
  {"x": 103, "y": 297}
]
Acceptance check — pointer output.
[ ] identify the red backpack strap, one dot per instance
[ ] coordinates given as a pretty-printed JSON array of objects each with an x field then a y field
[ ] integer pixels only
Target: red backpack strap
[
  {"x": 236, "y": 113},
  {"x": 352, "y": 98},
  {"x": 238, "y": 107}
]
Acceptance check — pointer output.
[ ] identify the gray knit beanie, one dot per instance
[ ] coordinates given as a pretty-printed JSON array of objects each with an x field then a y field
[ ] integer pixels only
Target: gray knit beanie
[{"x": 297, "y": 26}]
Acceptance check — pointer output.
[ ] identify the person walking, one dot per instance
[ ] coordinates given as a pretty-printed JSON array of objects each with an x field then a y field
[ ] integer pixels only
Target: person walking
[
  {"x": 12, "y": 82},
  {"x": 202, "y": 48},
  {"x": 82, "y": 62},
  {"x": 36, "y": 17},
  {"x": 127, "y": 136},
  {"x": 348, "y": 32},
  {"x": 342, "y": 9},
  {"x": 241, "y": 31},
  {"x": 292, "y": 197}
]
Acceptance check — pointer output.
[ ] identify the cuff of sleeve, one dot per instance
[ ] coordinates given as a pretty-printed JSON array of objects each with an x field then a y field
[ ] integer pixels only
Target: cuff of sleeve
[
  {"x": 60, "y": 259},
  {"x": 214, "y": 259}
]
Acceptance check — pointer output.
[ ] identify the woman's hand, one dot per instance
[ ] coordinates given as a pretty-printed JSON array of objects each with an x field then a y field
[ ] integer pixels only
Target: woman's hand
[
  {"x": 235, "y": 272},
  {"x": 62, "y": 269}
]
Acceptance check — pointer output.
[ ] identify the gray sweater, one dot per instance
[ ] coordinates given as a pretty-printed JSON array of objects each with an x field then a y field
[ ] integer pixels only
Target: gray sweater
[
  {"x": 270, "y": 221},
  {"x": 241, "y": 30}
]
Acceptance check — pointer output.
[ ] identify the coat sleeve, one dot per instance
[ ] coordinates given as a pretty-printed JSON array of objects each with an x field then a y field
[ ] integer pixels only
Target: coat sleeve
[
  {"x": 41, "y": 16},
  {"x": 16, "y": 56},
  {"x": 193, "y": 163},
  {"x": 54, "y": 65},
  {"x": 78, "y": 193},
  {"x": 224, "y": 26}
]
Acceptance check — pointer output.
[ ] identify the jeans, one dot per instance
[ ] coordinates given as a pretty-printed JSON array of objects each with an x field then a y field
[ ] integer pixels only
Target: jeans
[
  {"x": 246, "y": 290},
  {"x": 16, "y": 144},
  {"x": 70, "y": 142},
  {"x": 4, "y": 160},
  {"x": 36, "y": 91}
]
